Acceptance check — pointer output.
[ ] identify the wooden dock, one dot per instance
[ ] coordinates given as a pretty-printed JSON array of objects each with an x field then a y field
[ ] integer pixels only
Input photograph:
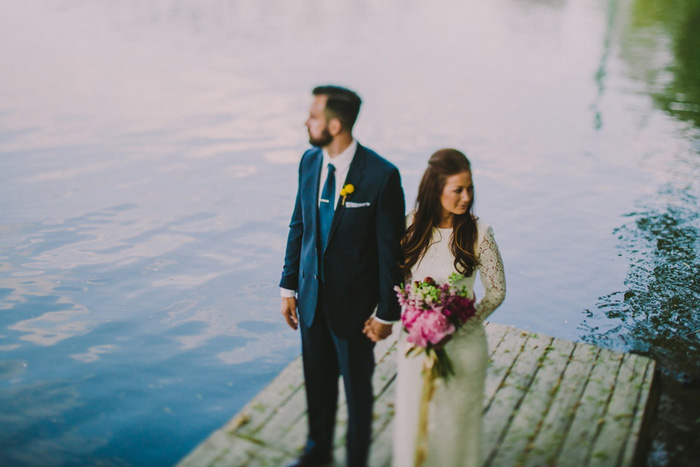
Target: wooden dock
[{"x": 548, "y": 402}]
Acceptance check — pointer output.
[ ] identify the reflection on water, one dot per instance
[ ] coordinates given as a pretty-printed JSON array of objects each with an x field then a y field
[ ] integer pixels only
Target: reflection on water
[
  {"x": 678, "y": 89},
  {"x": 148, "y": 158},
  {"x": 655, "y": 313},
  {"x": 657, "y": 310}
]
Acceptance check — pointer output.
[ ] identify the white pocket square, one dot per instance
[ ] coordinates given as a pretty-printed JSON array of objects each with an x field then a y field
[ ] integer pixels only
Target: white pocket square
[{"x": 350, "y": 204}]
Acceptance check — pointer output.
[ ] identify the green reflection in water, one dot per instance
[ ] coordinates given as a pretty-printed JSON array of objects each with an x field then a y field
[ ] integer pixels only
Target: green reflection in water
[{"x": 677, "y": 85}]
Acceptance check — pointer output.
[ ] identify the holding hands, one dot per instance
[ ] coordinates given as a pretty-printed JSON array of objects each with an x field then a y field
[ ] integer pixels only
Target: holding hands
[{"x": 376, "y": 330}]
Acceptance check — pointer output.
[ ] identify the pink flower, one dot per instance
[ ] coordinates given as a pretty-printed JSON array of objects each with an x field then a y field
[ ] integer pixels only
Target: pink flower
[
  {"x": 409, "y": 317},
  {"x": 401, "y": 295},
  {"x": 415, "y": 337},
  {"x": 437, "y": 327},
  {"x": 427, "y": 327},
  {"x": 432, "y": 312}
]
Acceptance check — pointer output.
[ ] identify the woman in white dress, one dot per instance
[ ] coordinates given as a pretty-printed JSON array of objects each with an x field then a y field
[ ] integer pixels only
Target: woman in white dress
[{"x": 443, "y": 236}]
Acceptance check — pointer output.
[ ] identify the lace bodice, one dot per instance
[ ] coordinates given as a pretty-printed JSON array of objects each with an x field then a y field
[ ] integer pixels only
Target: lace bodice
[{"x": 438, "y": 263}]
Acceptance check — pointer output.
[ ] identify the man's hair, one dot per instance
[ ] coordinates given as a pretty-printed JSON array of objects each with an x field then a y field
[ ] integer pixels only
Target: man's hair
[{"x": 342, "y": 104}]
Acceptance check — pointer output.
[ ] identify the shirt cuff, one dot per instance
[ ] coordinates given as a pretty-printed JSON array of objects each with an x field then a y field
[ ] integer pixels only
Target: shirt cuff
[
  {"x": 383, "y": 321},
  {"x": 287, "y": 293}
]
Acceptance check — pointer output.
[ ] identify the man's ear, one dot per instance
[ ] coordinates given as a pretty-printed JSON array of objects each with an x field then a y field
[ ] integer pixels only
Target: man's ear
[{"x": 334, "y": 126}]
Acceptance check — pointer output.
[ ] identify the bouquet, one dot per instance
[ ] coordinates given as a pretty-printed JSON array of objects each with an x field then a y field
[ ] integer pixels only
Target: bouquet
[{"x": 432, "y": 313}]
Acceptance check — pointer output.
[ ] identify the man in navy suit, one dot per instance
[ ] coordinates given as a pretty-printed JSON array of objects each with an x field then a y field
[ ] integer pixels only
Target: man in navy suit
[{"x": 340, "y": 269}]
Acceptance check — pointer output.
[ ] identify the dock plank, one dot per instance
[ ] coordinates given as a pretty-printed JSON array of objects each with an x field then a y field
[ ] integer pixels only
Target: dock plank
[
  {"x": 527, "y": 421},
  {"x": 591, "y": 409},
  {"x": 645, "y": 409},
  {"x": 510, "y": 394},
  {"x": 220, "y": 449},
  {"x": 547, "y": 440},
  {"x": 547, "y": 401},
  {"x": 501, "y": 361},
  {"x": 269, "y": 403},
  {"x": 619, "y": 416}
]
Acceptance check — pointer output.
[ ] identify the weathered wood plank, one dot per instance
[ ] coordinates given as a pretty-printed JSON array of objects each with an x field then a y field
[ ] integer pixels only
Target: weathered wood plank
[
  {"x": 645, "y": 407},
  {"x": 220, "y": 449},
  {"x": 382, "y": 445},
  {"x": 494, "y": 335},
  {"x": 590, "y": 411},
  {"x": 382, "y": 426},
  {"x": 385, "y": 372},
  {"x": 547, "y": 402},
  {"x": 501, "y": 362},
  {"x": 510, "y": 394},
  {"x": 529, "y": 416},
  {"x": 619, "y": 416},
  {"x": 544, "y": 445},
  {"x": 285, "y": 428},
  {"x": 383, "y": 347},
  {"x": 269, "y": 402}
]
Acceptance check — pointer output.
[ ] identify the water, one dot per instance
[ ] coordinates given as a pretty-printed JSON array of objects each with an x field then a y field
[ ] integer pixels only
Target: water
[{"x": 148, "y": 157}]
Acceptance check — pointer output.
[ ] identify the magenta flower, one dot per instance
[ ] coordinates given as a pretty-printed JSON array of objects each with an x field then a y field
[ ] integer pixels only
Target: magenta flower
[
  {"x": 436, "y": 327},
  {"x": 432, "y": 312}
]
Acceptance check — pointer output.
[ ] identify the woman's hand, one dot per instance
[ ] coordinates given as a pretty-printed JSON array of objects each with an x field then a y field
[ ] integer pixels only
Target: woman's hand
[{"x": 376, "y": 330}]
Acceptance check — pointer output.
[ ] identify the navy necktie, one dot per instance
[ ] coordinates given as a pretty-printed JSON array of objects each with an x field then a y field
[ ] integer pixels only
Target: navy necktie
[{"x": 325, "y": 209}]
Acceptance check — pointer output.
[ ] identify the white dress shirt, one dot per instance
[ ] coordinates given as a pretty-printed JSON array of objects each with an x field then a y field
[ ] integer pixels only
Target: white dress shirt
[{"x": 341, "y": 162}]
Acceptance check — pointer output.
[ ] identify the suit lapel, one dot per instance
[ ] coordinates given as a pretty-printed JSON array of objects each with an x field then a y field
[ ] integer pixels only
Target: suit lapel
[{"x": 354, "y": 177}]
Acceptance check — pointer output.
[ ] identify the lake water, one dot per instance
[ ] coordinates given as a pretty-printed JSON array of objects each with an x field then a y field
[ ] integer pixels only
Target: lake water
[{"x": 148, "y": 158}]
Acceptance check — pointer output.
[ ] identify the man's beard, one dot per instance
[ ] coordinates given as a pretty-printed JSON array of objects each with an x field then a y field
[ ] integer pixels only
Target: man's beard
[{"x": 324, "y": 140}]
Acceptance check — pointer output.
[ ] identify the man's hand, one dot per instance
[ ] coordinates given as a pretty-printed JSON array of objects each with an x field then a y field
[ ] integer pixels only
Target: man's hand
[
  {"x": 289, "y": 311},
  {"x": 376, "y": 330}
]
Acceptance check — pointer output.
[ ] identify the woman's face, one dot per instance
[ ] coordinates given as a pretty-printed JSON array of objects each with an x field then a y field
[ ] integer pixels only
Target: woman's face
[{"x": 457, "y": 195}]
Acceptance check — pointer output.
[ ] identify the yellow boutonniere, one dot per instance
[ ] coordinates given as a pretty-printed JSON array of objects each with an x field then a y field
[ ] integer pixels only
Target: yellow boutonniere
[{"x": 347, "y": 189}]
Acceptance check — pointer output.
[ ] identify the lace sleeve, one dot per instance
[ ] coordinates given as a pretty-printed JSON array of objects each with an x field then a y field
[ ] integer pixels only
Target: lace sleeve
[{"x": 492, "y": 276}]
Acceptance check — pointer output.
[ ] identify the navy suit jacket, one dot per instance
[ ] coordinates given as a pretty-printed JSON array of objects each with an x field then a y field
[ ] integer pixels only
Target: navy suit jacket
[{"x": 363, "y": 253}]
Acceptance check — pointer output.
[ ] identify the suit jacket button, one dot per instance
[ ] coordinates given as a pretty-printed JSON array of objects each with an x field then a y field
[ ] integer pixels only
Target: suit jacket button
[{"x": 315, "y": 277}]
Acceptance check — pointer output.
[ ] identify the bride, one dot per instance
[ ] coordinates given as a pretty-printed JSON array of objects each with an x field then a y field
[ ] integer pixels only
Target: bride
[{"x": 443, "y": 236}]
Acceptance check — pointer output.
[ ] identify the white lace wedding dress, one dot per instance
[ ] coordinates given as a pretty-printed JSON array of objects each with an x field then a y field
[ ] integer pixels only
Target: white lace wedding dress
[{"x": 454, "y": 426}]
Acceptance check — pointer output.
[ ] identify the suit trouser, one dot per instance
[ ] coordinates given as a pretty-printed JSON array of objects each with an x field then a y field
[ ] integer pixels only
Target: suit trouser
[{"x": 327, "y": 356}]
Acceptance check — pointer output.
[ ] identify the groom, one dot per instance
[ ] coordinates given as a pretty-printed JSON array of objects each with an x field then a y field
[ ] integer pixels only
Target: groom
[{"x": 342, "y": 263}]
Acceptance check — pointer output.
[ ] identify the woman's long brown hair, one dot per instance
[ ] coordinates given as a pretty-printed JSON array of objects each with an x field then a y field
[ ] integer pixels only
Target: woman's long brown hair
[{"x": 428, "y": 211}]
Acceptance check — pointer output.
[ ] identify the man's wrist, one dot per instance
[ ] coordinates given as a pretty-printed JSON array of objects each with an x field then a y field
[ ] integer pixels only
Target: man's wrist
[
  {"x": 287, "y": 293},
  {"x": 383, "y": 321}
]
